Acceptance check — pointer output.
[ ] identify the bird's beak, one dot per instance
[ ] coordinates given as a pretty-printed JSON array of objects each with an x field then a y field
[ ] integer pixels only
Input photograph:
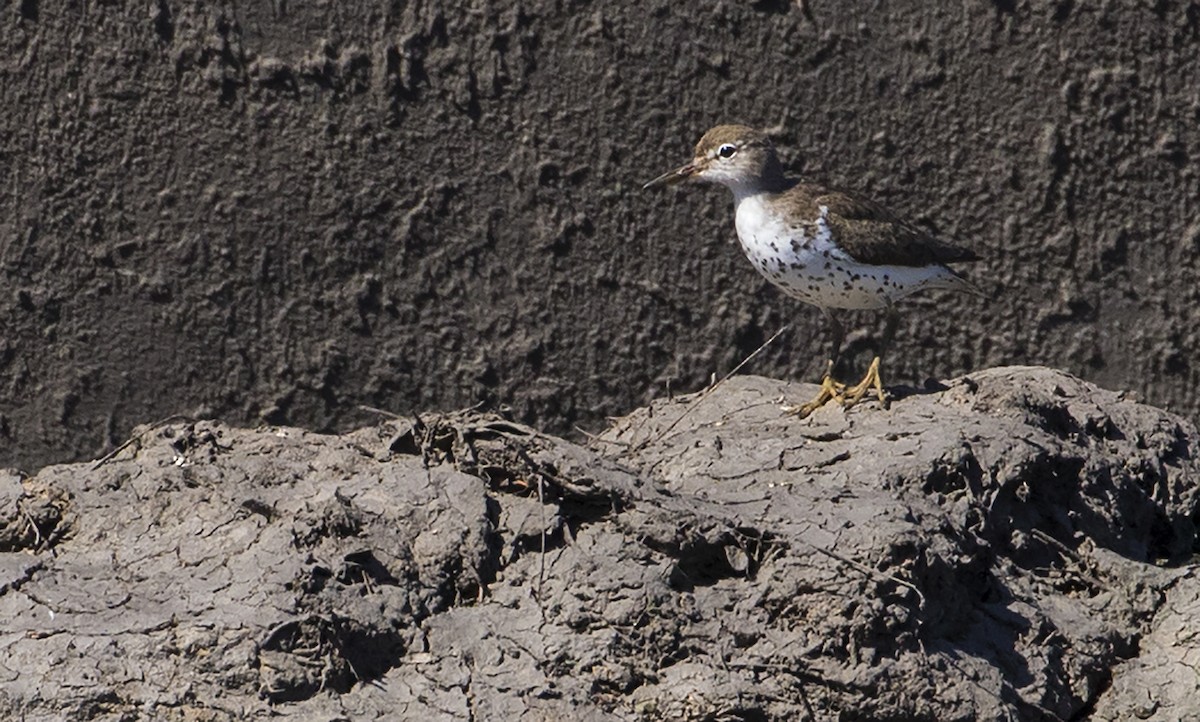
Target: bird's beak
[{"x": 670, "y": 178}]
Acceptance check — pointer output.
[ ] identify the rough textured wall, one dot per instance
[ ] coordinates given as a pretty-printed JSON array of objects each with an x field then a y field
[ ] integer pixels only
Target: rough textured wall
[{"x": 282, "y": 211}]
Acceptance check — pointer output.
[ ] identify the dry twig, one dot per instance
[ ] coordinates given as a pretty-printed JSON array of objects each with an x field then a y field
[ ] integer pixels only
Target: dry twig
[{"x": 707, "y": 392}]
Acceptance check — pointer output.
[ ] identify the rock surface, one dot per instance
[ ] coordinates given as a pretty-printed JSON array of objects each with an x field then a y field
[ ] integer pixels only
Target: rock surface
[
  {"x": 272, "y": 213},
  {"x": 1016, "y": 544}
]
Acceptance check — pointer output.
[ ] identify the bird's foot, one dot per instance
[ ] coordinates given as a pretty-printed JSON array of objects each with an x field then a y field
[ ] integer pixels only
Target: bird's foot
[
  {"x": 830, "y": 391},
  {"x": 870, "y": 382}
]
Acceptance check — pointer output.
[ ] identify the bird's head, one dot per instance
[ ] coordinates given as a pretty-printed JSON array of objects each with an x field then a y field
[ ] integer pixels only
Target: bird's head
[{"x": 735, "y": 156}]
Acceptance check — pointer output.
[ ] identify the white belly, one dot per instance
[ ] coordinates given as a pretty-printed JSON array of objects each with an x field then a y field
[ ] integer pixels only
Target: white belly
[{"x": 803, "y": 262}]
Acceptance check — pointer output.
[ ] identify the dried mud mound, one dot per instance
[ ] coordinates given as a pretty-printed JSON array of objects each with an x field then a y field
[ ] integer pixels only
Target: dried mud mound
[{"x": 1016, "y": 545}]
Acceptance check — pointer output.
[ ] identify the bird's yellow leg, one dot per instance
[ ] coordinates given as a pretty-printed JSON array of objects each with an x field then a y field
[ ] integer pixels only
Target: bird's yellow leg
[
  {"x": 871, "y": 381},
  {"x": 830, "y": 391}
]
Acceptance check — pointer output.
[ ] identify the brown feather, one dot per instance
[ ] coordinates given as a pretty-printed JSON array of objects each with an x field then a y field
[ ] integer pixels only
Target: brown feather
[{"x": 868, "y": 232}]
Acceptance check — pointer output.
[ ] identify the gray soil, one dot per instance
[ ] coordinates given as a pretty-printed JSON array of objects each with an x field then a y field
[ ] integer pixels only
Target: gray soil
[
  {"x": 1012, "y": 545},
  {"x": 276, "y": 212}
]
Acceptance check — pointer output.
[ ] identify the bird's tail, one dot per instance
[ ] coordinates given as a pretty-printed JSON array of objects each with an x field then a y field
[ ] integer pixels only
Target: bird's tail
[{"x": 955, "y": 282}]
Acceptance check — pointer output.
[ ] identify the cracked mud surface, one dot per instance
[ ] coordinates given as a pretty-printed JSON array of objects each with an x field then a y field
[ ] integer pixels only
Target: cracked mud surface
[
  {"x": 272, "y": 213},
  {"x": 1017, "y": 544}
]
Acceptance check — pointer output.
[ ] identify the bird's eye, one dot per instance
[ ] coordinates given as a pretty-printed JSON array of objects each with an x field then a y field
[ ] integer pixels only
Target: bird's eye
[{"x": 727, "y": 150}]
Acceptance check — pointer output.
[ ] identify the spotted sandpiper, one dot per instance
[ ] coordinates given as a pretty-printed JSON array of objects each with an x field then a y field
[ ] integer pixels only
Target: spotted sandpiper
[{"x": 823, "y": 246}]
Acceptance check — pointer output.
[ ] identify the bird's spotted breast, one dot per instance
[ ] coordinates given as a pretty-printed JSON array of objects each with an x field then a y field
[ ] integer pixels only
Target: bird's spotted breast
[{"x": 801, "y": 257}]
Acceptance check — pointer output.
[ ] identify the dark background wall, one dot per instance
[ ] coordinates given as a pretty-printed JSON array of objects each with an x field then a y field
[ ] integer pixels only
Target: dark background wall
[{"x": 280, "y": 211}]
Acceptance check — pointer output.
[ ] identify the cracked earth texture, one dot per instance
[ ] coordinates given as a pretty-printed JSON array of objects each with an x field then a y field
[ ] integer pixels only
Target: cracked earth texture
[{"x": 1016, "y": 544}]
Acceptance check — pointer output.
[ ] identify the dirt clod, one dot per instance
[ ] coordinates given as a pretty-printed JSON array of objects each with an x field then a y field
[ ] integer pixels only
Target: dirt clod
[{"x": 1015, "y": 546}]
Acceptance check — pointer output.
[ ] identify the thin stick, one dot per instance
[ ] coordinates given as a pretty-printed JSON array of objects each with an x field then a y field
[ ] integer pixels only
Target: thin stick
[
  {"x": 138, "y": 437},
  {"x": 37, "y": 533},
  {"x": 594, "y": 437},
  {"x": 705, "y": 394},
  {"x": 381, "y": 412},
  {"x": 542, "y": 557},
  {"x": 869, "y": 571}
]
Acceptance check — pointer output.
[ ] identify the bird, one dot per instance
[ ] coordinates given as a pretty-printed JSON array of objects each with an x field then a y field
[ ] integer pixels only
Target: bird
[{"x": 827, "y": 247}]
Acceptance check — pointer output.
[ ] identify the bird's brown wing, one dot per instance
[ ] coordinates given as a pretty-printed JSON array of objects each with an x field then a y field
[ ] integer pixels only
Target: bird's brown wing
[{"x": 870, "y": 233}]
